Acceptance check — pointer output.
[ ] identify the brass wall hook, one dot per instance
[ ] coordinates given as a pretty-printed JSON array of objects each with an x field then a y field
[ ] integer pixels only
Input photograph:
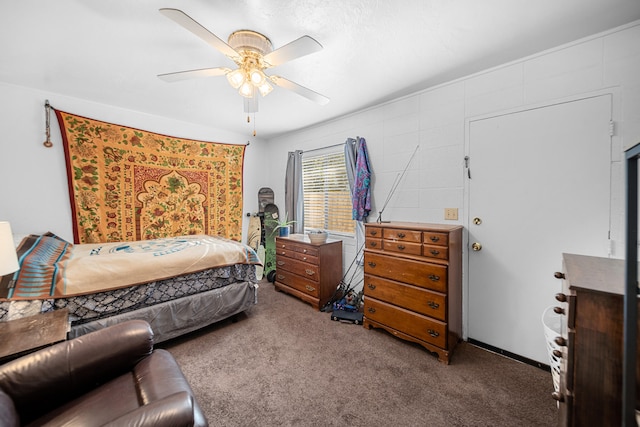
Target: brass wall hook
[{"x": 47, "y": 108}]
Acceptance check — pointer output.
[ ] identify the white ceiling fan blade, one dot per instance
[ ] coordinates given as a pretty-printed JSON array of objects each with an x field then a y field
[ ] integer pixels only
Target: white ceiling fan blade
[
  {"x": 190, "y": 74},
  {"x": 300, "y": 90},
  {"x": 305, "y": 45},
  {"x": 190, "y": 24}
]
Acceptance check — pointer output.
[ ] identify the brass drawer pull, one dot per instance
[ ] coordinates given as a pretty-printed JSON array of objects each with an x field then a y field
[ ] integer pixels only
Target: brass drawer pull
[
  {"x": 562, "y": 342},
  {"x": 557, "y": 353},
  {"x": 281, "y": 263},
  {"x": 434, "y": 277},
  {"x": 557, "y": 396},
  {"x": 304, "y": 258},
  {"x": 371, "y": 264},
  {"x": 434, "y": 238},
  {"x": 373, "y": 232},
  {"x": 434, "y": 252},
  {"x": 371, "y": 310},
  {"x": 310, "y": 288},
  {"x": 309, "y": 272},
  {"x": 401, "y": 247},
  {"x": 401, "y": 235},
  {"x": 280, "y": 277},
  {"x": 433, "y": 304},
  {"x": 284, "y": 246},
  {"x": 373, "y": 244},
  {"x": 433, "y": 333},
  {"x": 283, "y": 253},
  {"x": 371, "y": 286}
]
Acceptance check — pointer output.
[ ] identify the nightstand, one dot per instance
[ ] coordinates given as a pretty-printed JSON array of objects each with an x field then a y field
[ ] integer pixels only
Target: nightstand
[
  {"x": 309, "y": 271},
  {"x": 21, "y": 336}
]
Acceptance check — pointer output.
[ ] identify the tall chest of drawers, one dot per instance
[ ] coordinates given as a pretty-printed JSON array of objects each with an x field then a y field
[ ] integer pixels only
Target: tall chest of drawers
[
  {"x": 307, "y": 270},
  {"x": 413, "y": 283},
  {"x": 591, "y": 343}
]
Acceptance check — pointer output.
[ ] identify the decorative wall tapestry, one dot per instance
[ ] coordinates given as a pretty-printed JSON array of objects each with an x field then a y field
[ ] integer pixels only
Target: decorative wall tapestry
[{"x": 127, "y": 184}]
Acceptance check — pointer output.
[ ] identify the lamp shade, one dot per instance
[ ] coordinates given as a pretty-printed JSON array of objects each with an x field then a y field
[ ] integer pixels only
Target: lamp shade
[{"x": 8, "y": 256}]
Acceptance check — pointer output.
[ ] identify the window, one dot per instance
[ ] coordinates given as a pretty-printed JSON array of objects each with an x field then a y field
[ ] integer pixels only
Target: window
[{"x": 327, "y": 198}]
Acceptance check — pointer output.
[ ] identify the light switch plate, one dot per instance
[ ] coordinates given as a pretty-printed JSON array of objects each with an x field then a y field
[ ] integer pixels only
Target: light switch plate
[{"x": 451, "y": 213}]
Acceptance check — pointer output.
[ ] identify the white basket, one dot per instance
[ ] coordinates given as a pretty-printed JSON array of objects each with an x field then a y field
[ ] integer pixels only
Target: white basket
[{"x": 552, "y": 323}]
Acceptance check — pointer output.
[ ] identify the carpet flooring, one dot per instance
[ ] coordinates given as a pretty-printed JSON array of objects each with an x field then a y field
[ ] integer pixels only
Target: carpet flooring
[{"x": 282, "y": 363}]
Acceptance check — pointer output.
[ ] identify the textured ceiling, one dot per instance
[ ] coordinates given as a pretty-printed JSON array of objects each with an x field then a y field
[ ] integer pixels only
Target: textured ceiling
[{"x": 111, "y": 51}]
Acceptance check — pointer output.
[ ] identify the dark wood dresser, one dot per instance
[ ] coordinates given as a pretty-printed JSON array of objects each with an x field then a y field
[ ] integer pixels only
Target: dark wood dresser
[
  {"x": 591, "y": 302},
  {"x": 413, "y": 283},
  {"x": 307, "y": 270}
]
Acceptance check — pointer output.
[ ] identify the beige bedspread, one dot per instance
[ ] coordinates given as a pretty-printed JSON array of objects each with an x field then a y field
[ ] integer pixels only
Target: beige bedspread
[{"x": 51, "y": 267}]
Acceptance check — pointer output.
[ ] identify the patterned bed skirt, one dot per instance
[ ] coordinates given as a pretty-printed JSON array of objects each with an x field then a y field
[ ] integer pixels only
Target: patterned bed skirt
[{"x": 87, "y": 308}]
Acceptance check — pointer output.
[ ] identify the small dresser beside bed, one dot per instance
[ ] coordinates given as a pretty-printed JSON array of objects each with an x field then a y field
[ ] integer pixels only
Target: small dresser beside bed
[{"x": 177, "y": 284}]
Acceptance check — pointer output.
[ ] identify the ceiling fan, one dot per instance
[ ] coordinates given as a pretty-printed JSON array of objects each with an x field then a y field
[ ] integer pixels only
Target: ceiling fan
[{"x": 253, "y": 53}]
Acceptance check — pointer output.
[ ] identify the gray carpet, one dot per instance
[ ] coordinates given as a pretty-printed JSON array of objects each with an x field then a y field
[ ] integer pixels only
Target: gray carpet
[{"x": 282, "y": 363}]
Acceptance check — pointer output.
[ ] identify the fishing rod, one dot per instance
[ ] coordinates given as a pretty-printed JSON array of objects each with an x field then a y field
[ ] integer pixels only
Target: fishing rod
[
  {"x": 395, "y": 185},
  {"x": 342, "y": 282}
]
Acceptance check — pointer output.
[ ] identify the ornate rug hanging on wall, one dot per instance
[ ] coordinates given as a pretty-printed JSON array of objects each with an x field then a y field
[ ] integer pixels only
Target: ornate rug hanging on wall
[{"x": 128, "y": 184}]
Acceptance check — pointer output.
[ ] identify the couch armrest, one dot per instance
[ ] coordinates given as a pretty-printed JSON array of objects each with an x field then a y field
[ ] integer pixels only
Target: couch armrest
[
  {"x": 8, "y": 415},
  {"x": 56, "y": 374},
  {"x": 173, "y": 410}
]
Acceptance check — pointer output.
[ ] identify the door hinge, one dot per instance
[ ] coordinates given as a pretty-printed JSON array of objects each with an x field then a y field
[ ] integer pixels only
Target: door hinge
[
  {"x": 612, "y": 128},
  {"x": 466, "y": 165}
]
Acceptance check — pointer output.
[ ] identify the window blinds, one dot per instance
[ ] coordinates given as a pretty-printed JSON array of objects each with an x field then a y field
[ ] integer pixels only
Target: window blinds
[{"x": 327, "y": 198}]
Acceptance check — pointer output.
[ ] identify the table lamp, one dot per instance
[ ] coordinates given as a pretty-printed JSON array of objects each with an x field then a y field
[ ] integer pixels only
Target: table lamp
[{"x": 8, "y": 256}]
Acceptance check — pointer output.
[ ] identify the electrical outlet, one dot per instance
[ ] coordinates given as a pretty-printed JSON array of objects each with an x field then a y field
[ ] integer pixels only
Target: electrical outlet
[{"x": 451, "y": 213}]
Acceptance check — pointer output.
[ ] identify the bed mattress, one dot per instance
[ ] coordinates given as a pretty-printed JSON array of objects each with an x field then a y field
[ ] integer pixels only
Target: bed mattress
[{"x": 92, "y": 307}]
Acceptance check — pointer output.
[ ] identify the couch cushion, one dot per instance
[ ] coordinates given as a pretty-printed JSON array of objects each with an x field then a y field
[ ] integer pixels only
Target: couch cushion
[
  {"x": 155, "y": 378},
  {"x": 97, "y": 407}
]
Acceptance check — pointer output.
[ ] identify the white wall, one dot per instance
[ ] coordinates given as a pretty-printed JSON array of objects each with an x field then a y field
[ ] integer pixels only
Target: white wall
[
  {"x": 34, "y": 196},
  {"x": 435, "y": 119}
]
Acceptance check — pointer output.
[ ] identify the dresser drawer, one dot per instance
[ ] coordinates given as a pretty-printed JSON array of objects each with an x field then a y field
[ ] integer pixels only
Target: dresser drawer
[
  {"x": 288, "y": 253},
  {"x": 401, "y": 235},
  {"x": 375, "y": 232},
  {"x": 300, "y": 268},
  {"x": 303, "y": 285},
  {"x": 311, "y": 259},
  {"x": 435, "y": 238},
  {"x": 285, "y": 245},
  {"x": 438, "y": 252},
  {"x": 402, "y": 247},
  {"x": 371, "y": 243},
  {"x": 423, "y": 274},
  {"x": 410, "y": 297},
  {"x": 414, "y": 324}
]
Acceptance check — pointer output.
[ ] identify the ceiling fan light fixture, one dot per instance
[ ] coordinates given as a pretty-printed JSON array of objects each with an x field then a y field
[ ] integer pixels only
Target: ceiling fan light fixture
[
  {"x": 257, "y": 77},
  {"x": 265, "y": 88},
  {"x": 236, "y": 78},
  {"x": 246, "y": 89}
]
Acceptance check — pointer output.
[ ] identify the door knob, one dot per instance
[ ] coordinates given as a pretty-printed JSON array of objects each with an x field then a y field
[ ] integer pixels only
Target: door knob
[
  {"x": 476, "y": 246},
  {"x": 477, "y": 221}
]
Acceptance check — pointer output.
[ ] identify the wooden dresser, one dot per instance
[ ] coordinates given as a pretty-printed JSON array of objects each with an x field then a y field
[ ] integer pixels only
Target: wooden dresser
[
  {"x": 591, "y": 303},
  {"x": 306, "y": 270},
  {"x": 413, "y": 283}
]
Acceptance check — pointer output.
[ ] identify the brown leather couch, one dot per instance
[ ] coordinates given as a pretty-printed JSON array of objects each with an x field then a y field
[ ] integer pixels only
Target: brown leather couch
[{"x": 109, "y": 377}]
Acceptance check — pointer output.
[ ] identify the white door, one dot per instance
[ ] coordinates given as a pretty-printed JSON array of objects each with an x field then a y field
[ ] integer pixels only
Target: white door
[{"x": 539, "y": 185}]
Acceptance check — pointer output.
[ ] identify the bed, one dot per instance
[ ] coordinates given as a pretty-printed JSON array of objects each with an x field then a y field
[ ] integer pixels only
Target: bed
[{"x": 177, "y": 284}]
